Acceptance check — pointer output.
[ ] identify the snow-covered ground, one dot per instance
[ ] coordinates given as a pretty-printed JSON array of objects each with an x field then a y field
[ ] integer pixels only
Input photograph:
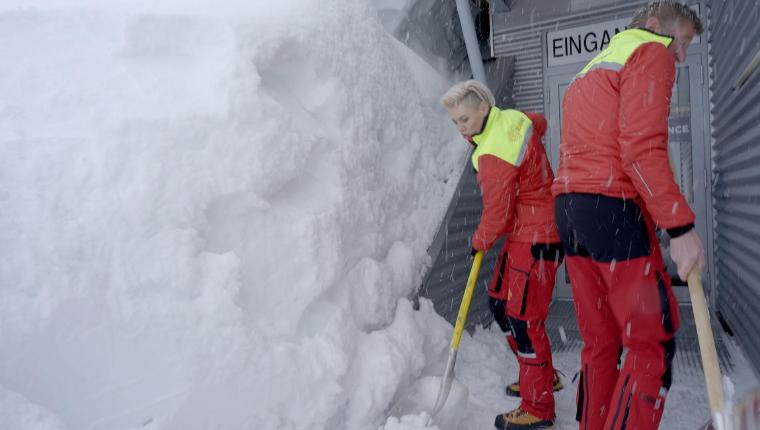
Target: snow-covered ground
[{"x": 212, "y": 217}]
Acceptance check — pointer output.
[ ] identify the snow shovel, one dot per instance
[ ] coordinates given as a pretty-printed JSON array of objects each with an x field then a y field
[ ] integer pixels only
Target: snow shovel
[
  {"x": 720, "y": 419},
  {"x": 448, "y": 375}
]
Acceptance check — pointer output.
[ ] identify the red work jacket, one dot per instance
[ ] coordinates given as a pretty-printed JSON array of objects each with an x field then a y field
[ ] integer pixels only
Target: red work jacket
[
  {"x": 515, "y": 177},
  {"x": 615, "y": 128}
]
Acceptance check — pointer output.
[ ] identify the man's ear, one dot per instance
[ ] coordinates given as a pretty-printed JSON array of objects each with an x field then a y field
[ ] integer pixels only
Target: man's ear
[{"x": 653, "y": 24}]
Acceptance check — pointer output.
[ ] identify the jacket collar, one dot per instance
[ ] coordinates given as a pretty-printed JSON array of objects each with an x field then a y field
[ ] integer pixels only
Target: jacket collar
[
  {"x": 644, "y": 35},
  {"x": 487, "y": 121}
]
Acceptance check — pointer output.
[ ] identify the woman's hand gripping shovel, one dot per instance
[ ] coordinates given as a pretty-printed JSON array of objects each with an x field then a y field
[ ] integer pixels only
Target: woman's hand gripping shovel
[{"x": 448, "y": 375}]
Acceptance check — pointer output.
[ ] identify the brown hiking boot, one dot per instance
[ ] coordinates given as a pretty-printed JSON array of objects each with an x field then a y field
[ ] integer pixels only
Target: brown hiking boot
[
  {"x": 520, "y": 419},
  {"x": 513, "y": 389}
]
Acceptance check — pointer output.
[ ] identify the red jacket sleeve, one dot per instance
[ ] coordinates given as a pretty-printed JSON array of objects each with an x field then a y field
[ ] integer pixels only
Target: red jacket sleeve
[
  {"x": 498, "y": 182},
  {"x": 645, "y": 89}
]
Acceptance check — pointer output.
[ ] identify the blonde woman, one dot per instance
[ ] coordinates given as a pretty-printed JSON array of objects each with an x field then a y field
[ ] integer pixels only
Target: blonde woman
[{"x": 515, "y": 179}]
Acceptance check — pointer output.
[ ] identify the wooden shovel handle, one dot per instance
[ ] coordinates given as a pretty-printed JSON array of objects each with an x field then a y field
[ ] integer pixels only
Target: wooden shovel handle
[{"x": 706, "y": 343}]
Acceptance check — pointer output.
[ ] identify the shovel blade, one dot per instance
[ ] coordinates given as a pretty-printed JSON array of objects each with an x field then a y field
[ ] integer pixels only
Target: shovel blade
[{"x": 446, "y": 381}]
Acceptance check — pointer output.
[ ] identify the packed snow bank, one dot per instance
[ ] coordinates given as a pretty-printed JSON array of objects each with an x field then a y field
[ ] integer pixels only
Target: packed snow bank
[
  {"x": 392, "y": 12},
  {"x": 16, "y": 412},
  {"x": 213, "y": 213}
]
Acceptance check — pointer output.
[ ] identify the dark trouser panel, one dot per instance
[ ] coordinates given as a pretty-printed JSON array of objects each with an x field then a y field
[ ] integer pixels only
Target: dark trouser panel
[
  {"x": 623, "y": 298},
  {"x": 520, "y": 293}
]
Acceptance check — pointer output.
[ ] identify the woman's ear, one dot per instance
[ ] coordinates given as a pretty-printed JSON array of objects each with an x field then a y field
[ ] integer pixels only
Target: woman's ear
[{"x": 484, "y": 108}]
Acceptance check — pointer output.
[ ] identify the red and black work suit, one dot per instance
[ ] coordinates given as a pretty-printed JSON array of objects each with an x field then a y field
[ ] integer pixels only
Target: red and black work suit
[
  {"x": 613, "y": 185},
  {"x": 515, "y": 179}
]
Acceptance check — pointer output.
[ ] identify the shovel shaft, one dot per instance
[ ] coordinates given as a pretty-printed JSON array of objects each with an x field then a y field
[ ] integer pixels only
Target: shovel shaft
[
  {"x": 706, "y": 346},
  {"x": 464, "y": 308},
  {"x": 448, "y": 375}
]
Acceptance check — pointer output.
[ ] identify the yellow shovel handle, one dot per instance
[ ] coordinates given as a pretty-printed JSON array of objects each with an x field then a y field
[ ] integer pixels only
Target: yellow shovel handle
[{"x": 466, "y": 299}]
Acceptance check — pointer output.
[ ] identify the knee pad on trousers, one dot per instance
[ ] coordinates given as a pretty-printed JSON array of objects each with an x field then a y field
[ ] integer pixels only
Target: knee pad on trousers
[
  {"x": 520, "y": 333},
  {"x": 499, "y": 313}
]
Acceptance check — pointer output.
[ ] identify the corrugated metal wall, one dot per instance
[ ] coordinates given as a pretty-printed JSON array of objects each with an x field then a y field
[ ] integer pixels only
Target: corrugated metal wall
[
  {"x": 734, "y": 42},
  {"x": 525, "y": 43}
]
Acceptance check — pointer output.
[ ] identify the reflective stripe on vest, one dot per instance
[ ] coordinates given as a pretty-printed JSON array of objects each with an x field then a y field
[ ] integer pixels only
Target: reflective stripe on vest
[
  {"x": 621, "y": 47},
  {"x": 506, "y": 136}
]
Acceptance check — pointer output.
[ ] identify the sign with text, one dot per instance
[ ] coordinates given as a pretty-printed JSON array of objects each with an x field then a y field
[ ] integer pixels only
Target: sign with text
[{"x": 581, "y": 44}]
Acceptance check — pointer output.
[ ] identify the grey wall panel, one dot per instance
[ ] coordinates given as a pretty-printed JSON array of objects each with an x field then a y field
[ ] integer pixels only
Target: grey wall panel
[
  {"x": 524, "y": 12},
  {"x": 499, "y": 72},
  {"x": 734, "y": 40}
]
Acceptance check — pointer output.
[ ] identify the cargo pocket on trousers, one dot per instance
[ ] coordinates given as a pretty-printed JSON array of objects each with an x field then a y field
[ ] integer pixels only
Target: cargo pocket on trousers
[{"x": 517, "y": 294}]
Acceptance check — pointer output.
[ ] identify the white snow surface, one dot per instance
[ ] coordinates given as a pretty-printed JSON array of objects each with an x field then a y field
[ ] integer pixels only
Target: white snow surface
[
  {"x": 213, "y": 215},
  {"x": 392, "y": 12}
]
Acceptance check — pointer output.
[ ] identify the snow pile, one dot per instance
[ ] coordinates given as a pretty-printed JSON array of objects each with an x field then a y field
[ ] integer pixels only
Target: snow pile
[
  {"x": 410, "y": 422},
  {"x": 18, "y": 413},
  {"x": 392, "y": 12},
  {"x": 212, "y": 215}
]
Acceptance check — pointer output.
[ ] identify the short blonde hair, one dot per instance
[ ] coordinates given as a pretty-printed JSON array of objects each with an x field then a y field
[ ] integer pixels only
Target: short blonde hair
[
  {"x": 669, "y": 12},
  {"x": 470, "y": 92}
]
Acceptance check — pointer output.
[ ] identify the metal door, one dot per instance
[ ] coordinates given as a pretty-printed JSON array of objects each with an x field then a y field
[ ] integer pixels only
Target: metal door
[{"x": 557, "y": 86}]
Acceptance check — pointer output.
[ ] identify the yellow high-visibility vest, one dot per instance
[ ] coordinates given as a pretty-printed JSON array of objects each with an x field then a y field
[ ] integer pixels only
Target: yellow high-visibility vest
[
  {"x": 620, "y": 49},
  {"x": 506, "y": 136}
]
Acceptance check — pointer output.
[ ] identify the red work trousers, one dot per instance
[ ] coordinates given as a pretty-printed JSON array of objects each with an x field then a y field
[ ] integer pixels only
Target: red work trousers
[
  {"x": 623, "y": 299},
  {"x": 520, "y": 293}
]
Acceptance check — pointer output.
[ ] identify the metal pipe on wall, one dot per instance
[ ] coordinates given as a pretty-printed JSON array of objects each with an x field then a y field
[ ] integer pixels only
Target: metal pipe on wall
[{"x": 471, "y": 40}]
